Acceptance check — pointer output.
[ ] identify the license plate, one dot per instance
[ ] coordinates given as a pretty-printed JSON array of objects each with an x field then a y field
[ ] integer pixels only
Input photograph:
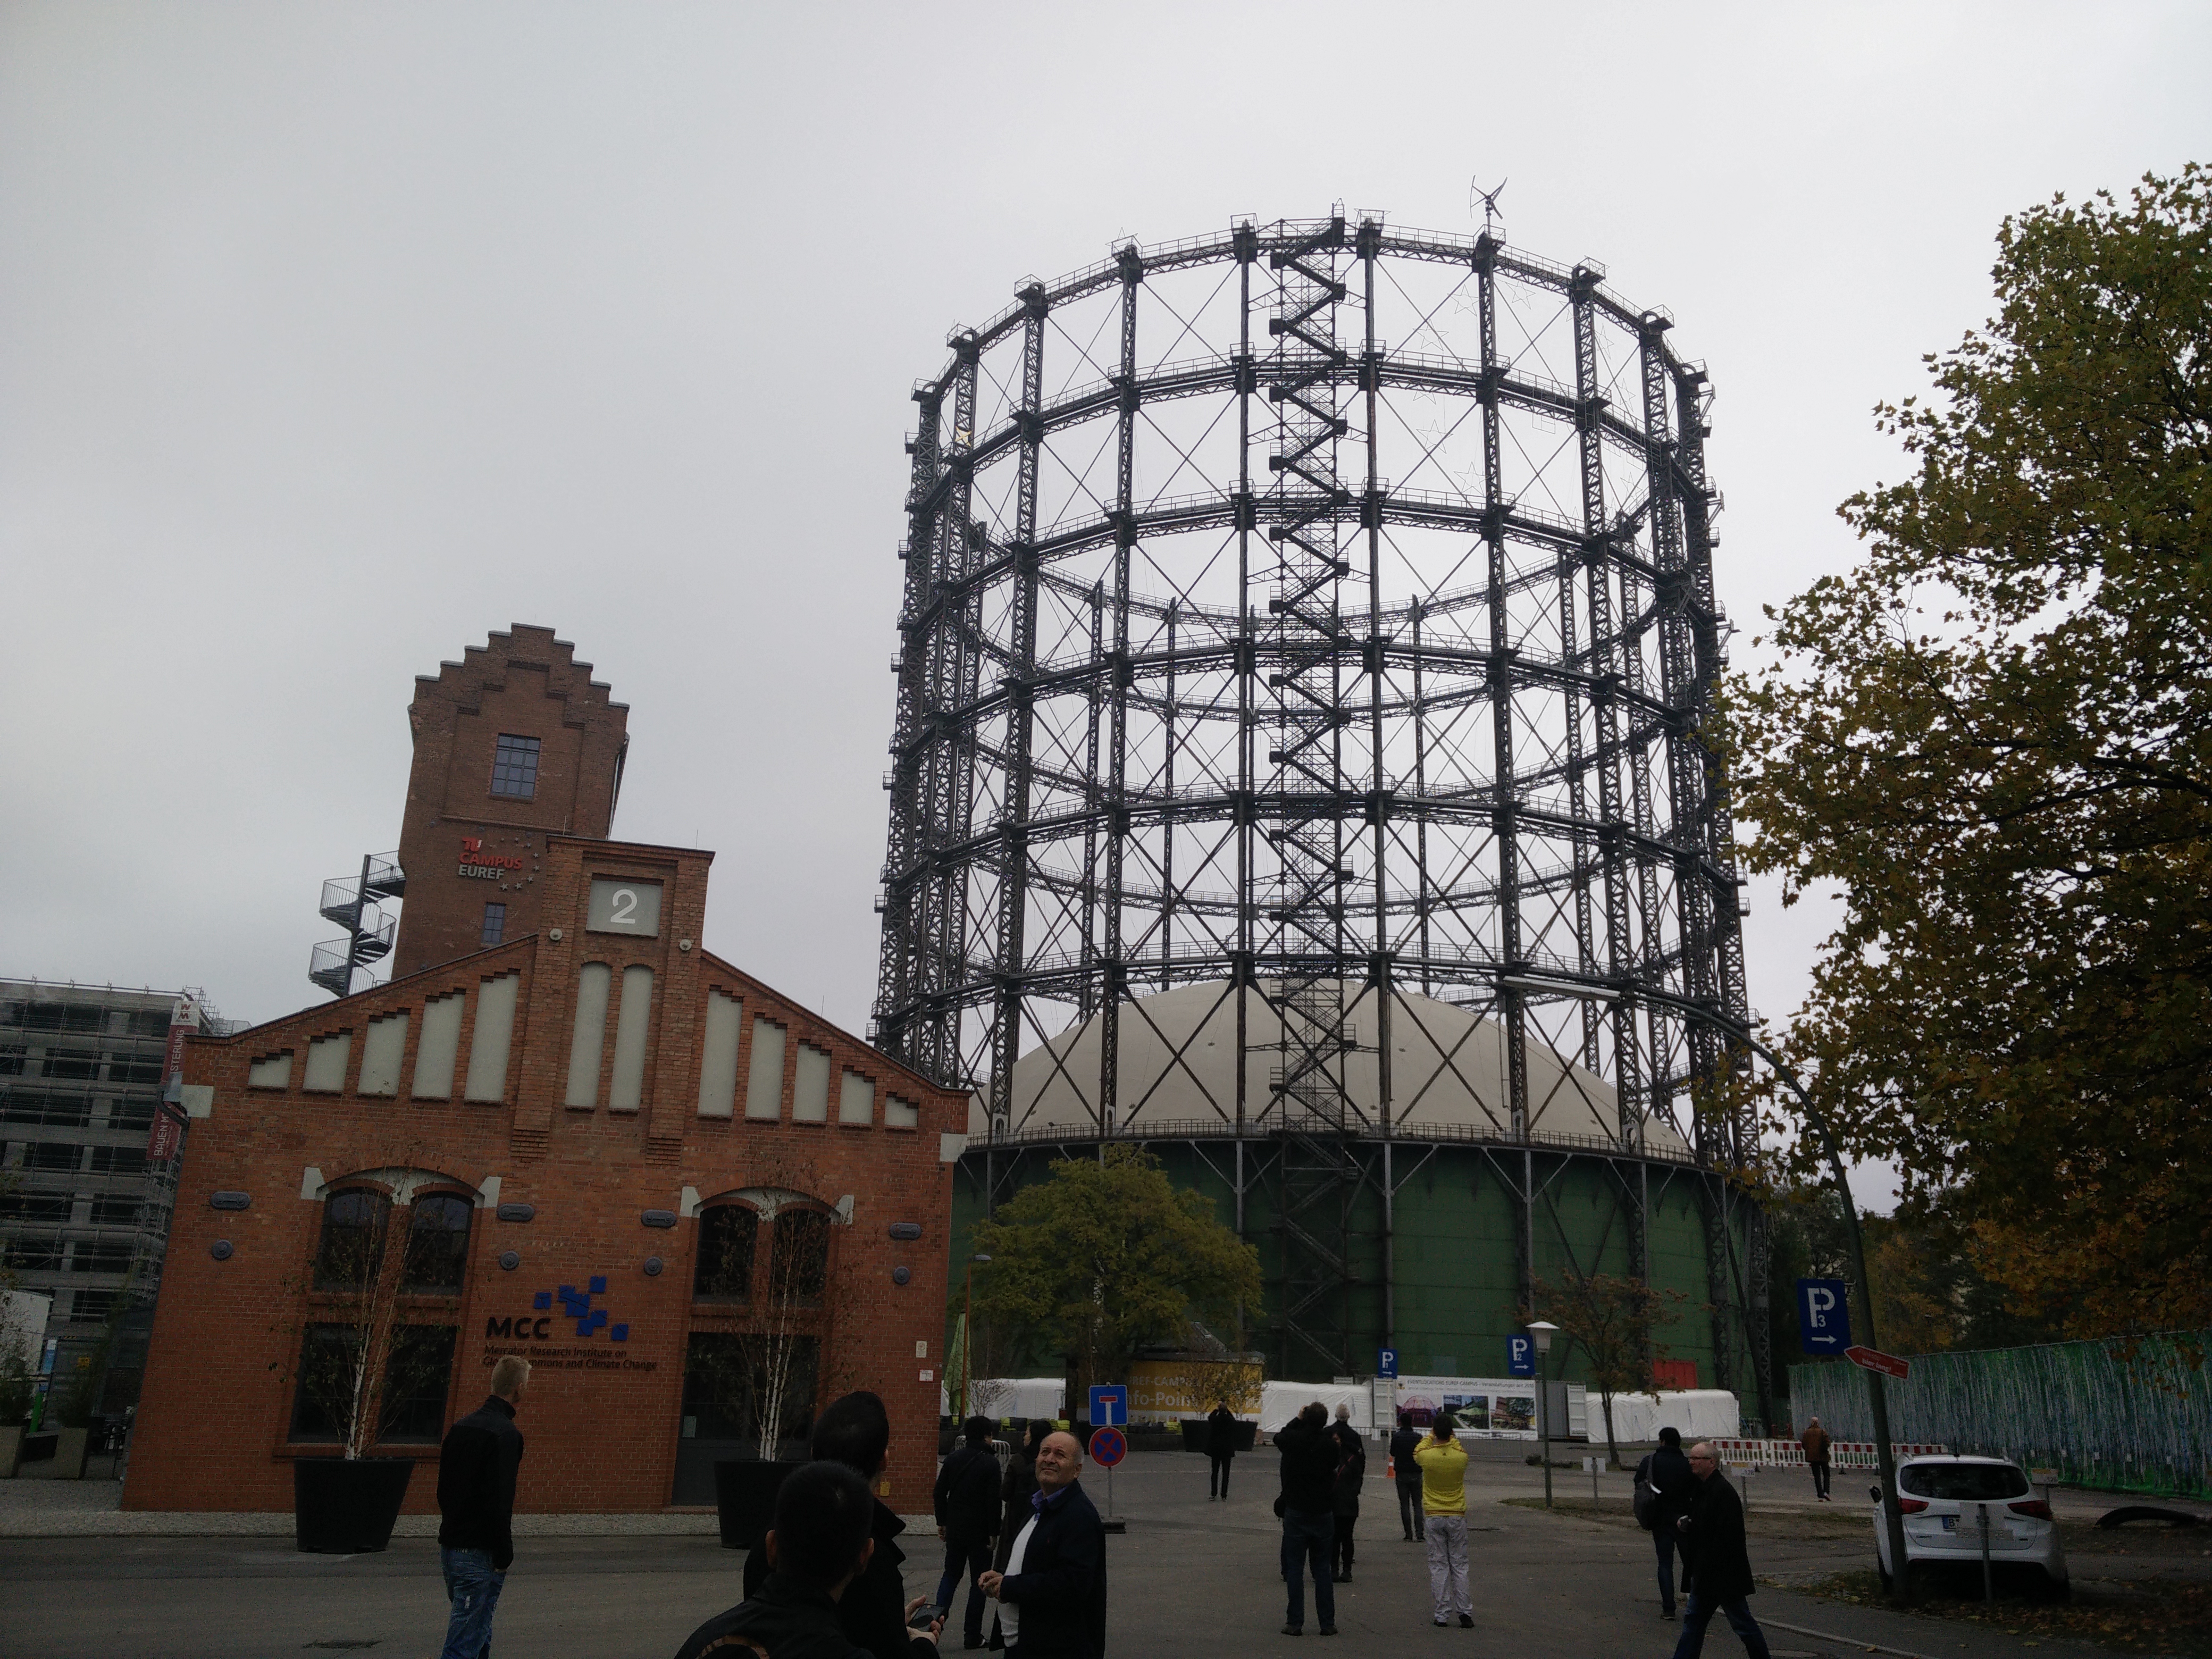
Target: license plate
[{"x": 1950, "y": 1523}]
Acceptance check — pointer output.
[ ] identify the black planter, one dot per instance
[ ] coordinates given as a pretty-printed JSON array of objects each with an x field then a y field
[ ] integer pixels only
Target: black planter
[
  {"x": 348, "y": 1507},
  {"x": 1197, "y": 1435},
  {"x": 744, "y": 1498}
]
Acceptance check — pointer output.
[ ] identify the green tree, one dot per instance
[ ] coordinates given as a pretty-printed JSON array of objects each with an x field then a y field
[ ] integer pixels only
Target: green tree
[
  {"x": 1992, "y": 739},
  {"x": 1615, "y": 1322},
  {"x": 1106, "y": 1257}
]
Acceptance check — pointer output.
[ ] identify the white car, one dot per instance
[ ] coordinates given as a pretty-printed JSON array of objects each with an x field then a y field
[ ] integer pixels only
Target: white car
[{"x": 1942, "y": 1499}]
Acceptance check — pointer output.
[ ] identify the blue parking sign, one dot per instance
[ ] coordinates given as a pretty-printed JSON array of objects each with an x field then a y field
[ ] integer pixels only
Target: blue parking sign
[
  {"x": 1824, "y": 1315},
  {"x": 1109, "y": 1405},
  {"x": 1520, "y": 1356},
  {"x": 1386, "y": 1363}
]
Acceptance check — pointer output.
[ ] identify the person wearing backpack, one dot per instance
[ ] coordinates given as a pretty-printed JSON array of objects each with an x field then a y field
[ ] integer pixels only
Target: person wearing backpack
[{"x": 1664, "y": 1487}]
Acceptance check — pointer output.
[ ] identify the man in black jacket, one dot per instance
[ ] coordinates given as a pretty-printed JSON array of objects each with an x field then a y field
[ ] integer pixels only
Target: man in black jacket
[
  {"x": 1220, "y": 1449},
  {"x": 1716, "y": 1562},
  {"x": 967, "y": 1503},
  {"x": 856, "y": 1430},
  {"x": 476, "y": 1468},
  {"x": 818, "y": 1550},
  {"x": 1350, "y": 1471},
  {"x": 1406, "y": 1475},
  {"x": 1666, "y": 1472},
  {"x": 1307, "y": 1507},
  {"x": 1052, "y": 1597}
]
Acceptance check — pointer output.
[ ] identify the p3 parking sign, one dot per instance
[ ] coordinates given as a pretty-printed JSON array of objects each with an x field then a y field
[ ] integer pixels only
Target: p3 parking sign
[{"x": 1824, "y": 1315}]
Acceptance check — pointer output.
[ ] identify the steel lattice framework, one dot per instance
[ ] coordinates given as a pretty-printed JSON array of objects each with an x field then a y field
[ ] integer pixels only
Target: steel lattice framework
[{"x": 1311, "y": 606}]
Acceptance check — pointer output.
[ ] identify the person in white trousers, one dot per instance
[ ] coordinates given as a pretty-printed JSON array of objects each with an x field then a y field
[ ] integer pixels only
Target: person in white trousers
[{"x": 1443, "y": 1497}]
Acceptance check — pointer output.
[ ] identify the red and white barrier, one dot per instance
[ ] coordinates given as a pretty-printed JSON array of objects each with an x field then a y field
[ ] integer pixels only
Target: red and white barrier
[{"x": 1842, "y": 1453}]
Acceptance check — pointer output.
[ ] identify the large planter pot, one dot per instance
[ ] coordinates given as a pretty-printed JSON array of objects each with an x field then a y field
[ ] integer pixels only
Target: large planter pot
[
  {"x": 71, "y": 1448},
  {"x": 1197, "y": 1435},
  {"x": 11, "y": 1449},
  {"x": 744, "y": 1498},
  {"x": 348, "y": 1507}
]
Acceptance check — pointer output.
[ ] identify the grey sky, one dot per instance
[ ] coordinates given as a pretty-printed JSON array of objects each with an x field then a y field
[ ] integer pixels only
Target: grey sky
[{"x": 333, "y": 336}]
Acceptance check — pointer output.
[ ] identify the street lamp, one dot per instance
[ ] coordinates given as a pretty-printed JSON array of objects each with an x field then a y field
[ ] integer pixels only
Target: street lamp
[
  {"x": 1877, "y": 1389},
  {"x": 967, "y": 1334},
  {"x": 1542, "y": 1332}
]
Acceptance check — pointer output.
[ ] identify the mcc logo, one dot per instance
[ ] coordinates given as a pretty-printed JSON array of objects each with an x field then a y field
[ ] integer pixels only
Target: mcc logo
[{"x": 574, "y": 1304}]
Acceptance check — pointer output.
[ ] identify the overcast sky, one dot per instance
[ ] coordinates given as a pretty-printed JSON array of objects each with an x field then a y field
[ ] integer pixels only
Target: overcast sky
[{"x": 333, "y": 337}]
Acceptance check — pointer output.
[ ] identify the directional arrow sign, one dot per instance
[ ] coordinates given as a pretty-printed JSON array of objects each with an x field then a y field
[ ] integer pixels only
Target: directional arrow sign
[{"x": 1873, "y": 1359}]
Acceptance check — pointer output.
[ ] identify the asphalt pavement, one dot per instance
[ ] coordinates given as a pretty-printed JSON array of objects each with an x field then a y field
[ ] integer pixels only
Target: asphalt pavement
[{"x": 1189, "y": 1578}]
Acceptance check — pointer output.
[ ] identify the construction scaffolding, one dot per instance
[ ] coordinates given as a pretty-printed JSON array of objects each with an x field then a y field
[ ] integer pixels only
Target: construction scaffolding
[{"x": 84, "y": 1212}]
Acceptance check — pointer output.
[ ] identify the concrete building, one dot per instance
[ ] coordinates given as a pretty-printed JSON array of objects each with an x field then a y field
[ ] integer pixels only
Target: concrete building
[{"x": 84, "y": 1214}]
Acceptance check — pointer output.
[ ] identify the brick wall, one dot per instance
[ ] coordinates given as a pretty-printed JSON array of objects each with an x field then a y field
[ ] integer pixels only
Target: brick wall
[{"x": 602, "y": 1418}]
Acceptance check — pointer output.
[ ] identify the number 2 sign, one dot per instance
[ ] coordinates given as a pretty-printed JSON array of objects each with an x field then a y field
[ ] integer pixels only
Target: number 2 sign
[{"x": 624, "y": 907}]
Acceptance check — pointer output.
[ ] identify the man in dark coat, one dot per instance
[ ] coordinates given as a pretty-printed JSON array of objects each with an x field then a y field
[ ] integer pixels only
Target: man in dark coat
[
  {"x": 476, "y": 1468},
  {"x": 1717, "y": 1562},
  {"x": 1350, "y": 1471},
  {"x": 967, "y": 1503},
  {"x": 1052, "y": 1597},
  {"x": 1307, "y": 1507},
  {"x": 1406, "y": 1475},
  {"x": 856, "y": 1430},
  {"x": 1220, "y": 1449},
  {"x": 817, "y": 1552},
  {"x": 1666, "y": 1472}
]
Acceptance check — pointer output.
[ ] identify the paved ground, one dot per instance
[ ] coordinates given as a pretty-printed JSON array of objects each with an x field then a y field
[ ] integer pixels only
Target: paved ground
[{"x": 1188, "y": 1577}]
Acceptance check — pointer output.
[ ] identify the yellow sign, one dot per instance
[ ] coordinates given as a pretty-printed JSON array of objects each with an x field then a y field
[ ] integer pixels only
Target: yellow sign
[{"x": 1173, "y": 1389}]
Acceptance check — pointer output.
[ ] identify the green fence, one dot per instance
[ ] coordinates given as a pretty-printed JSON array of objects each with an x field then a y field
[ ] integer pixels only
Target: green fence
[{"x": 2126, "y": 1425}]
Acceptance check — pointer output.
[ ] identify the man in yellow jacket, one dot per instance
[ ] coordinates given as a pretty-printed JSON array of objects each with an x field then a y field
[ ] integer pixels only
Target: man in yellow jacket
[{"x": 1444, "y": 1496}]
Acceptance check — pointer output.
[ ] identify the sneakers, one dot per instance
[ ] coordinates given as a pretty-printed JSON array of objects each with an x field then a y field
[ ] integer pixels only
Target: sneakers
[
  {"x": 1292, "y": 1629},
  {"x": 1466, "y": 1621},
  {"x": 1328, "y": 1630},
  {"x": 1667, "y": 1614},
  {"x": 1442, "y": 1622}
]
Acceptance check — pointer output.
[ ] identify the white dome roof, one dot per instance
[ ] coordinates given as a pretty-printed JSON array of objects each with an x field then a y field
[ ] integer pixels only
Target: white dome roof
[{"x": 1178, "y": 1066}]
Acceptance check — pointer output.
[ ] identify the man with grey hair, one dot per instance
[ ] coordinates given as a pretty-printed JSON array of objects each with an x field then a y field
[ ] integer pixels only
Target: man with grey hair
[
  {"x": 476, "y": 1467},
  {"x": 1716, "y": 1564}
]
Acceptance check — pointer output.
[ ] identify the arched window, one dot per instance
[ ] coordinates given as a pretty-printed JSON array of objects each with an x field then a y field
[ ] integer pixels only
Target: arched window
[
  {"x": 351, "y": 1250},
  {"x": 725, "y": 1268},
  {"x": 799, "y": 1259},
  {"x": 437, "y": 1245}
]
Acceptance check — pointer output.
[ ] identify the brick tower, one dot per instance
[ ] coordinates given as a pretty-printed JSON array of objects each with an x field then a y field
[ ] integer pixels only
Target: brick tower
[{"x": 513, "y": 743}]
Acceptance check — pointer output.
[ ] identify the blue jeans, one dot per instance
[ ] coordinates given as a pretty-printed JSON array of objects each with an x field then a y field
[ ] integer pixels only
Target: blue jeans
[
  {"x": 473, "y": 1587},
  {"x": 969, "y": 1556},
  {"x": 1663, "y": 1539},
  {"x": 1306, "y": 1541},
  {"x": 1697, "y": 1612}
]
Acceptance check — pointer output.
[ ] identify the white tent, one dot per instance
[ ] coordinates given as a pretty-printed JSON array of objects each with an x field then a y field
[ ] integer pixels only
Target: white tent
[
  {"x": 1711, "y": 1414},
  {"x": 1280, "y": 1401}
]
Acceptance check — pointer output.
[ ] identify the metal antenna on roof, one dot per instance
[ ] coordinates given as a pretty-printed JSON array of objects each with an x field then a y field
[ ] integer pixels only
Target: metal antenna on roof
[{"x": 1489, "y": 201}]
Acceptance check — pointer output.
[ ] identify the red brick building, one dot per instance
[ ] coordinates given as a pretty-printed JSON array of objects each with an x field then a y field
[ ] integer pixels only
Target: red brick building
[
  {"x": 596, "y": 1145},
  {"x": 513, "y": 744}
]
